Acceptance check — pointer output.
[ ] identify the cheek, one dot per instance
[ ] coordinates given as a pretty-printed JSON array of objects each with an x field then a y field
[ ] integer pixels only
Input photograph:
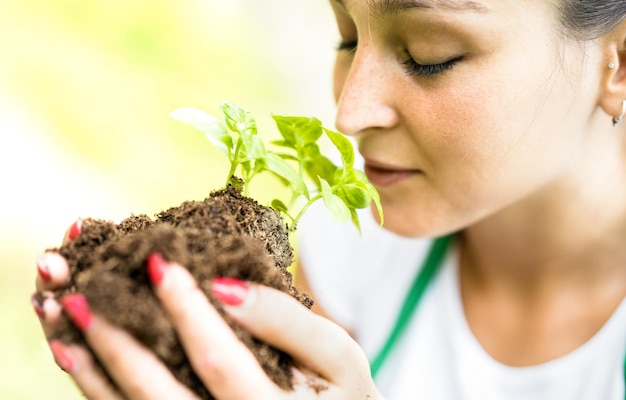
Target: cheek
[
  {"x": 497, "y": 121},
  {"x": 490, "y": 142},
  {"x": 459, "y": 125},
  {"x": 479, "y": 148}
]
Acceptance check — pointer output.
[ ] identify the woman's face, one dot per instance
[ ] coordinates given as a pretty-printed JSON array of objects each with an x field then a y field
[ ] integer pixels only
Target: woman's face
[{"x": 460, "y": 108}]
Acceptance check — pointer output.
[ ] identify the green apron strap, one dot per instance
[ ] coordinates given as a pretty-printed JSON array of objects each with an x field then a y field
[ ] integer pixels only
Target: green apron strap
[{"x": 431, "y": 265}]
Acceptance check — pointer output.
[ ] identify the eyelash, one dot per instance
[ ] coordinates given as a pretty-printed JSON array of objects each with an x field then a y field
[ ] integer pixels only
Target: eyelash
[
  {"x": 348, "y": 45},
  {"x": 410, "y": 65},
  {"x": 413, "y": 68}
]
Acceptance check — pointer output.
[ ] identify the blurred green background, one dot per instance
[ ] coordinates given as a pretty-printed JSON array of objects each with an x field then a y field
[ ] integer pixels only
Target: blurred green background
[{"x": 86, "y": 88}]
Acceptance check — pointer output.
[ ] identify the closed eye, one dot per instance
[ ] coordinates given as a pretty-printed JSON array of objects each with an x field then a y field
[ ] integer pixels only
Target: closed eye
[
  {"x": 428, "y": 70},
  {"x": 410, "y": 65},
  {"x": 347, "y": 45}
]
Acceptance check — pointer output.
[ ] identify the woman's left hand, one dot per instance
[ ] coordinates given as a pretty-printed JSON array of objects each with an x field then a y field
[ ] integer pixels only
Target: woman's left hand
[{"x": 335, "y": 366}]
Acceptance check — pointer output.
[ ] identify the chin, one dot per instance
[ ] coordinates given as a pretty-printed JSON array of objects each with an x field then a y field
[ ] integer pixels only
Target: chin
[{"x": 409, "y": 225}]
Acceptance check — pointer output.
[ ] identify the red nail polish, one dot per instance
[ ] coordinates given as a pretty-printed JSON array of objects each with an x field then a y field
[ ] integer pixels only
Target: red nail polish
[
  {"x": 156, "y": 265},
  {"x": 78, "y": 310},
  {"x": 229, "y": 291},
  {"x": 62, "y": 356},
  {"x": 75, "y": 229},
  {"x": 42, "y": 268},
  {"x": 38, "y": 308}
]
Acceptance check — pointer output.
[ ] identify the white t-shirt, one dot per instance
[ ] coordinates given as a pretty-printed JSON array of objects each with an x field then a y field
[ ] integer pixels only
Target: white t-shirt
[{"x": 361, "y": 282}]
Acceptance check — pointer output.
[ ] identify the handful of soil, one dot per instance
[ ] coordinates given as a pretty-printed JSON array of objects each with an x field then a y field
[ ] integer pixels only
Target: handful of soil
[{"x": 227, "y": 235}]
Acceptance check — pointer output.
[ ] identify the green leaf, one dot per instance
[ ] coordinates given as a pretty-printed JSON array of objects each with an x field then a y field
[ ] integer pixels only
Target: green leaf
[
  {"x": 253, "y": 146},
  {"x": 344, "y": 176},
  {"x": 354, "y": 196},
  {"x": 213, "y": 128},
  {"x": 283, "y": 169},
  {"x": 246, "y": 170},
  {"x": 355, "y": 219},
  {"x": 346, "y": 150},
  {"x": 339, "y": 212},
  {"x": 365, "y": 184},
  {"x": 297, "y": 131},
  {"x": 238, "y": 119},
  {"x": 315, "y": 164},
  {"x": 259, "y": 166},
  {"x": 320, "y": 168},
  {"x": 326, "y": 190},
  {"x": 281, "y": 143},
  {"x": 279, "y": 206},
  {"x": 286, "y": 156}
]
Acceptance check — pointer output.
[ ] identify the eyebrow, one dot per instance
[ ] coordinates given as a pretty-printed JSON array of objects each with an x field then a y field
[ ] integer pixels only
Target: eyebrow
[{"x": 381, "y": 8}]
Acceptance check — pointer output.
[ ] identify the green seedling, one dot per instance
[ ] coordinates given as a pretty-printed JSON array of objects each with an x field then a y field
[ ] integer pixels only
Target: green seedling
[{"x": 342, "y": 188}]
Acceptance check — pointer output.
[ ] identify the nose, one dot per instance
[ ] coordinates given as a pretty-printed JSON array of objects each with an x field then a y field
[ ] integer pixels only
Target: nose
[{"x": 365, "y": 93}]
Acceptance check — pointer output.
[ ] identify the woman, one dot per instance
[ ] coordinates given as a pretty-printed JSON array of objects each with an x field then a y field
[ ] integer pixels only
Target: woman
[{"x": 493, "y": 125}]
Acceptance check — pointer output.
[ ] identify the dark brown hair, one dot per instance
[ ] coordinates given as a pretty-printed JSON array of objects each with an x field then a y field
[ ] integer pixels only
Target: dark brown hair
[{"x": 590, "y": 19}]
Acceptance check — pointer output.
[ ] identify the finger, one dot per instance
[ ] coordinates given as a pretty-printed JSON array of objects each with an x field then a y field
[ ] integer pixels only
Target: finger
[
  {"x": 329, "y": 351},
  {"x": 73, "y": 231},
  {"x": 308, "y": 384},
  {"x": 223, "y": 363},
  {"x": 76, "y": 361},
  {"x": 48, "y": 310},
  {"x": 53, "y": 271},
  {"x": 136, "y": 370}
]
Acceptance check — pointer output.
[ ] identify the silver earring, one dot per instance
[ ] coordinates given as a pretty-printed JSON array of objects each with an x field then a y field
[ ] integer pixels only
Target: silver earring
[
  {"x": 617, "y": 120},
  {"x": 611, "y": 65}
]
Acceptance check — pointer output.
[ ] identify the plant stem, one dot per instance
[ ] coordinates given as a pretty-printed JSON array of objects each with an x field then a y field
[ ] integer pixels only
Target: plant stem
[
  {"x": 303, "y": 209},
  {"x": 234, "y": 163}
]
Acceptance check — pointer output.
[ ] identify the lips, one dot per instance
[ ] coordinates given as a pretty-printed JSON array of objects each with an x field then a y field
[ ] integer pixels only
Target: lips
[{"x": 383, "y": 175}]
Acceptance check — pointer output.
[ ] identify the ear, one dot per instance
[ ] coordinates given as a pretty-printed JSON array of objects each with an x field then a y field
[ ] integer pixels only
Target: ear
[{"x": 613, "y": 91}]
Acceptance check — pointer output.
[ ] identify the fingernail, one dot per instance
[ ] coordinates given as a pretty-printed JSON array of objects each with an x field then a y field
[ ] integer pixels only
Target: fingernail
[
  {"x": 75, "y": 229},
  {"x": 62, "y": 356},
  {"x": 156, "y": 265},
  {"x": 230, "y": 291},
  {"x": 38, "y": 307},
  {"x": 78, "y": 310},
  {"x": 42, "y": 268}
]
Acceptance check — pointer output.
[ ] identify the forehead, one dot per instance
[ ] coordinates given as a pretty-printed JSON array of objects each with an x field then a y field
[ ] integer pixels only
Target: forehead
[
  {"x": 515, "y": 18},
  {"x": 386, "y": 7}
]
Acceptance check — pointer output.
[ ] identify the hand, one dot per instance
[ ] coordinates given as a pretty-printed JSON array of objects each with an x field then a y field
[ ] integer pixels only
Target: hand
[
  {"x": 333, "y": 366},
  {"x": 53, "y": 273}
]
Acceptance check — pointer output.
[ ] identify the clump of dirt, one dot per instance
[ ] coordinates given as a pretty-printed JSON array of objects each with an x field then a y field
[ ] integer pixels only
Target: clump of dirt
[{"x": 227, "y": 234}]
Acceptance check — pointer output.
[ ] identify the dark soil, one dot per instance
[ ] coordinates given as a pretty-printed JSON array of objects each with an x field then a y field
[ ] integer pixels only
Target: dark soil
[{"x": 227, "y": 235}]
